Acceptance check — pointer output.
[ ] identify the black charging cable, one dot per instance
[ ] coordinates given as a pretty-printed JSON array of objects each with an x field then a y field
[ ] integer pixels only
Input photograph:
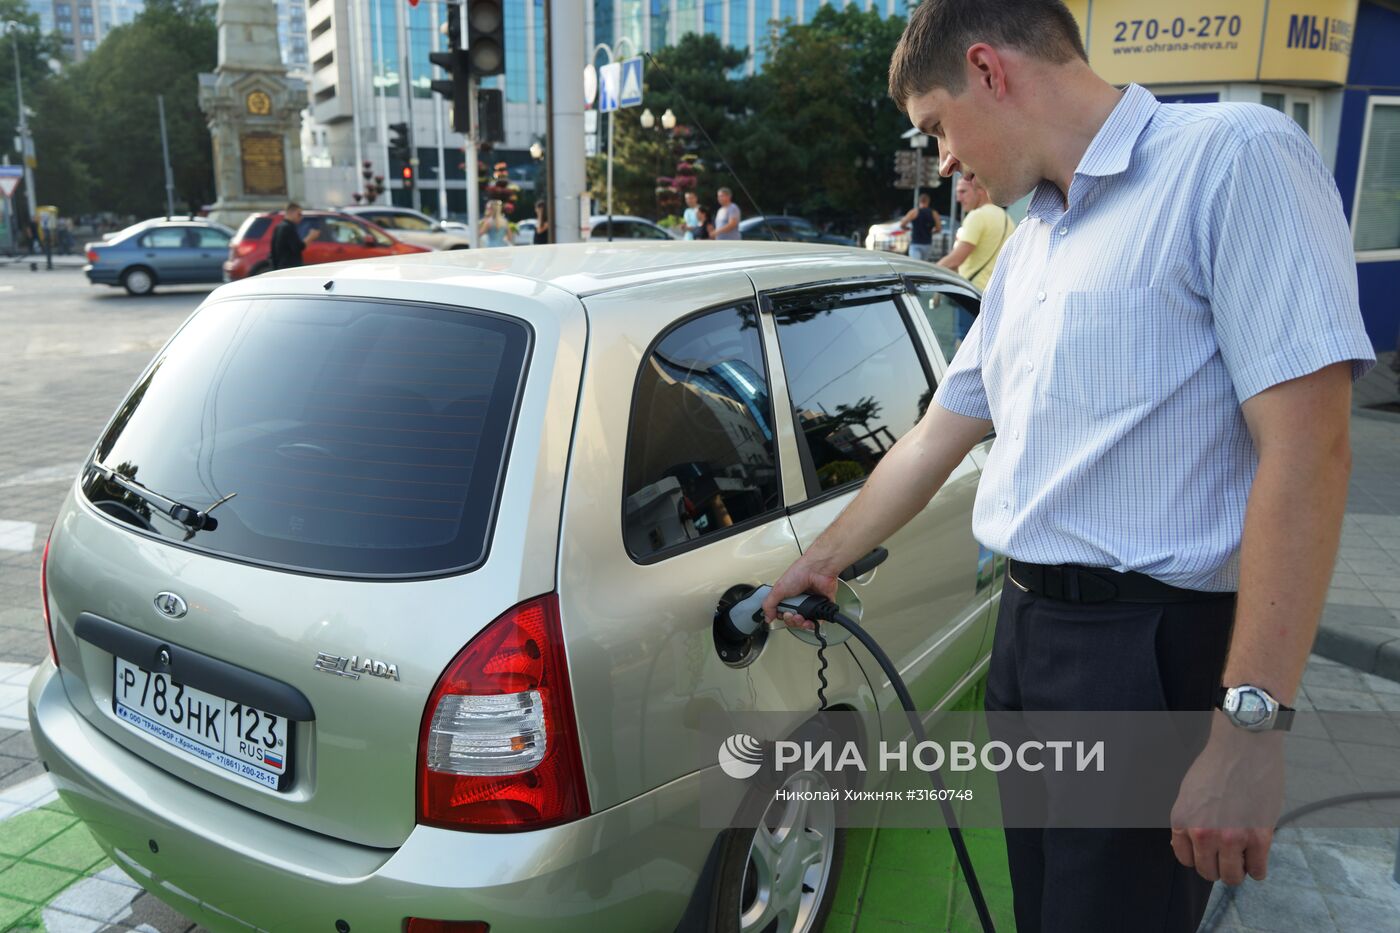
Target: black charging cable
[
  {"x": 816, "y": 608},
  {"x": 738, "y": 620}
]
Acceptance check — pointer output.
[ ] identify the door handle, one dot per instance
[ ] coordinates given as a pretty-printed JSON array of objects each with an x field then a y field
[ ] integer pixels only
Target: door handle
[{"x": 866, "y": 564}]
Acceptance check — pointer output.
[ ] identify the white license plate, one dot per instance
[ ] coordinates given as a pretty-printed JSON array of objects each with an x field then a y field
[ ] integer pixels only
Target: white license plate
[{"x": 252, "y": 743}]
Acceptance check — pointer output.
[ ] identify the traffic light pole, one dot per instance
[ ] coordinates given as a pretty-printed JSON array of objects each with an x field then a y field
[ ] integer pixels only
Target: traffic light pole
[
  {"x": 473, "y": 181},
  {"x": 564, "y": 149}
]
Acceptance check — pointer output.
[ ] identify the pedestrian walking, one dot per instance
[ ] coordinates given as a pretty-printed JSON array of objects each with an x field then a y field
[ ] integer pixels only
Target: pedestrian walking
[
  {"x": 984, "y": 231},
  {"x": 704, "y": 227},
  {"x": 1171, "y": 407},
  {"x": 728, "y": 217},
  {"x": 922, "y": 223},
  {"x": 542, "y": 230},
  {"x": 689, "y": 217},
  {"x": 287, "y": 242},
  {"x": 494, "y": 229}
]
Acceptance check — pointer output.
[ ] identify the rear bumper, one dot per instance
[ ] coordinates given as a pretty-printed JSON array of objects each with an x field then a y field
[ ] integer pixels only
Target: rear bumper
[
  {"x": 101, "y": 276},
  {"x": 632, "y": 867}
]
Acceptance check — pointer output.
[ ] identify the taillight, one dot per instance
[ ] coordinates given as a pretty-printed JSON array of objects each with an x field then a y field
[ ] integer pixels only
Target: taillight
[
  {"x": 498, "y": 749},
  {"x": 44, "y": 595},
  {"x": 243, "y": 248},
  {"x": 92, "y": 255}
]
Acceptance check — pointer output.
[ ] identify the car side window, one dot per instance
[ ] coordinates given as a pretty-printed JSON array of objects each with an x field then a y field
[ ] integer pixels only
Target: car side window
[
  {"x": 379, "y": 236},
  {"x": 406, "y": 222},
  {"x": 701, "y": 453},
  {"x": 212, "y": 239},
  {"x": 856, "y": 380},
  {"x": 949, "y": 313},
  {"x": 165, "y": 238}
]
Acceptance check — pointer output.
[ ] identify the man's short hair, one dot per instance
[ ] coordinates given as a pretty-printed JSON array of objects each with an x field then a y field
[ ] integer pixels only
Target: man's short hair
[
  {"x": 932, "y": 51},
  {"x": 725, "y": 191},
  {"x": 292, "y": 206},
  {"x": 924, "y": 196}
]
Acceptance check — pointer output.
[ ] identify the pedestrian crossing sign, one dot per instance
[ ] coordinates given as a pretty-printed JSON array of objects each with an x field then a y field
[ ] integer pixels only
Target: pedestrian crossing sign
[{"x": 631, "y": 93}]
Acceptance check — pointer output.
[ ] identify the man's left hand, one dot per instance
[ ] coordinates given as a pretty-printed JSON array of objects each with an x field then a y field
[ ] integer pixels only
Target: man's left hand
[{"x": 1225, "y": 812}]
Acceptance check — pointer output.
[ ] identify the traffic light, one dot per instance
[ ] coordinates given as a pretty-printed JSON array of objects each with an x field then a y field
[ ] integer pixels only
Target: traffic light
[
  {"x": 486, "y": 39},
  {"x": 490, "y": 110},
  {"x": 456, "y": 90},
  {"x": 408, "y": 177},
  {"x": 399, "y": 147}
]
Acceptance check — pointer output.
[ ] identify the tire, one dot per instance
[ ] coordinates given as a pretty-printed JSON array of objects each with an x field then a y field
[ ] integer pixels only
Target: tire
[
  {"x": 752, "y": 894},
  {"x": 138, "y": 280}
]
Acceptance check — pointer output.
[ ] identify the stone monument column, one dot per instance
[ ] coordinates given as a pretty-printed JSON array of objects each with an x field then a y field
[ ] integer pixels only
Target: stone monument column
[{"x": 254, "y": 115}]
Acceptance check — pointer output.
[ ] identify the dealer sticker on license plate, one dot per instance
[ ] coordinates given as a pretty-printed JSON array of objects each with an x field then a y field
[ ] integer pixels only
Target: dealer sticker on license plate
[{"x": 252, "y": 743}]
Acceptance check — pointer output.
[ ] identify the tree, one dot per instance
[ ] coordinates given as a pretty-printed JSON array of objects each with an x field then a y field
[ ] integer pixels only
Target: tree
[
  {"x": 35, "y": 50},
  {"x": 98, "y": 127},
  {"x": 825, "y": 132},
  {"x": 691, "y": 79}
]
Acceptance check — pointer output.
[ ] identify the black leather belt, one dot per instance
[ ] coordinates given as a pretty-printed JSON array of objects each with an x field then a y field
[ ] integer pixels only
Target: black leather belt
[{"x": 1075, "y": 584}]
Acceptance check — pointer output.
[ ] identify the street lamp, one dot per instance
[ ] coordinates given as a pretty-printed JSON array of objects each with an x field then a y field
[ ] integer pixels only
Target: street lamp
[
  {"x": 668, "y": 120},
  {"x": 536, "y": 150},
  {"x": 648, "y": 121}
]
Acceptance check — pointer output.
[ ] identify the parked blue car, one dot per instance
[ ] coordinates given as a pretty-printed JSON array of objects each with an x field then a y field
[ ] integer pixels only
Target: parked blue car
[{"x": 160, "y": 253}]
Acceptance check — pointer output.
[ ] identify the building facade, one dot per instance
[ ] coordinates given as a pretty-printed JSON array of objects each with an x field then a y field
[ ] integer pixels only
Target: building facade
[
  {"x": 369, "y": 69},
  {"x": 1331, "y": 65}
]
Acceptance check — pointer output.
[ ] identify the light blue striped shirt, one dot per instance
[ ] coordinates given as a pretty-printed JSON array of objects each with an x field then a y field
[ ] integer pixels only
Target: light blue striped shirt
[{"x": 1203, "y": 258}]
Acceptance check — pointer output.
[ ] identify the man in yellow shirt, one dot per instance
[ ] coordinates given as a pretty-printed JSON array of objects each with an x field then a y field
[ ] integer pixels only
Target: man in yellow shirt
[{"x": 984, "y": 231}]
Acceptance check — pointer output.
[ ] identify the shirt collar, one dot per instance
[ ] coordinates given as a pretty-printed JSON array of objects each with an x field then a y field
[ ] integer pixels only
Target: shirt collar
[{"x": 1109, "y": 151}]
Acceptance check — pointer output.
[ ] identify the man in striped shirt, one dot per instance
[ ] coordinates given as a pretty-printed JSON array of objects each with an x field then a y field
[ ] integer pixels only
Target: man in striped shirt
[{"x": 1170, "y": 389}]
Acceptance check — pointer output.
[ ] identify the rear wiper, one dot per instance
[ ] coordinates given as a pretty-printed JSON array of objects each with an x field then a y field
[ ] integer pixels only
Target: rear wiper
[{"x": 191, "y": 518}]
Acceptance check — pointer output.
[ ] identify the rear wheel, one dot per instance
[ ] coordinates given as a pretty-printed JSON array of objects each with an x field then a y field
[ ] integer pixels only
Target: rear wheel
[
  {"x": 139, "y": 280},
  {"x": 781, "y": 877}
]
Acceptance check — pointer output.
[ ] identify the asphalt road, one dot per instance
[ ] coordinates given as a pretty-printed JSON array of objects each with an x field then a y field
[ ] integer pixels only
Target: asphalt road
[{"x": 68, "y": 353}]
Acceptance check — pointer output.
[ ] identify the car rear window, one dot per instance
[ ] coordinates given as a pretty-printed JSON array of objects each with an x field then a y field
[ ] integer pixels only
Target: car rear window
[
  {"x": 253, "y": 228},
  {"x": 357, "y": 438}
]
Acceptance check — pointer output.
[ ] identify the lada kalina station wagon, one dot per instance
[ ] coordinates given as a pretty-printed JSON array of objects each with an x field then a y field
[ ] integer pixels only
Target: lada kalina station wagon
[{"x": 385, "y": 600}]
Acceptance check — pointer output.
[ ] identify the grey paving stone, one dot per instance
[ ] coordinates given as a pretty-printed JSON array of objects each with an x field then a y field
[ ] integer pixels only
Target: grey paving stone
[
  {"x": 1339, "y": 700},
  {"x": 1265, "y": 906},
  {"x": 94, "y": 898},
  {"x": 1357, "y": 871},
  {"x": 151, "y": 911},
  {"x": 1361, "y": 915}
]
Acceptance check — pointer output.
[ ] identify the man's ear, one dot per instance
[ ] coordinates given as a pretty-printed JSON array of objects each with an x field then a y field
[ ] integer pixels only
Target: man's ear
[{"x": 987, "y": 68}]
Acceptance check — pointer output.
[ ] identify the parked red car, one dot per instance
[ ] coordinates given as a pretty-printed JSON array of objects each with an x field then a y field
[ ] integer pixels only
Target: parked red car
[{"x": 341, "y": 237}]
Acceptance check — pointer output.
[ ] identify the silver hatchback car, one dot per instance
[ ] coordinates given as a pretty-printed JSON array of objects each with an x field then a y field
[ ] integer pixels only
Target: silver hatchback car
[{"x": 385, "y": 601}]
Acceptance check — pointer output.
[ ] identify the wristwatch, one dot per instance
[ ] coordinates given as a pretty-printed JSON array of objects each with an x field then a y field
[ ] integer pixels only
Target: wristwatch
[{"x": 1253, "y": 709}]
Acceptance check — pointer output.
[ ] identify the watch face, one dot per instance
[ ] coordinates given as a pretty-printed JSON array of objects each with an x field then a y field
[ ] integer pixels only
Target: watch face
[{"x": 1251, "y": 707}]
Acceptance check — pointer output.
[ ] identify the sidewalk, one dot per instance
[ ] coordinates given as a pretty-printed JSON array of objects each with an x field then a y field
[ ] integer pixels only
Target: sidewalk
[{"x": 1361, "y": 623}]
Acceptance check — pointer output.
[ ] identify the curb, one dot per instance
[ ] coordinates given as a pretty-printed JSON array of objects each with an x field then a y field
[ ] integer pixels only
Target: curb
[{"x": 1370, "y": 648}]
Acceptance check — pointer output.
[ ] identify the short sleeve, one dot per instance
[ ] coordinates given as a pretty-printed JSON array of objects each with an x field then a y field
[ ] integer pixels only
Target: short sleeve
[
  {"x": 973, "y": 227},
  {"x": 1283, "y": 290},
  {"x": 962, "y": 391}
]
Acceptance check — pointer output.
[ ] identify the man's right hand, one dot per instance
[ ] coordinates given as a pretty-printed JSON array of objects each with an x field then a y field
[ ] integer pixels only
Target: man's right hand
[
  {"x": 798, "y": 579},
  {"x": 312, "y": 235}
]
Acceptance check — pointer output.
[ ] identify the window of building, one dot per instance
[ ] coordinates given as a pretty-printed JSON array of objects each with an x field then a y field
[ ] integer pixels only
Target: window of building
[
  {"x": 714, "y": 17},
  {"x": 1300, "y": 105},
  {"x": 701, "y": 454},
  {"x": 62, "y": 11},
  {"x": 86, "y": 27},
  {"x": 89, "y": 45},
  {"x": 541, "y": 73},
  {"x": 1375, "y": 216},
  {"x": 85, "y": 14},
  {"x": 517, "y": 74},
  {"x": 855, "y": 378},
  {"x": 65, "y": 26}
]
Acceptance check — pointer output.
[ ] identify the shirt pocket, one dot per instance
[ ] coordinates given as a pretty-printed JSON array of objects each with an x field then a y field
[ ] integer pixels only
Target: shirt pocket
[{"x": 1109, "y": 355}]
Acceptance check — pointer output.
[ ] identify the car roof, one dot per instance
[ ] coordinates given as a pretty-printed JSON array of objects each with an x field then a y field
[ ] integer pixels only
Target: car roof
[
  {"x": 595, "y": 267},
  {"x": 602, "y": 218}
]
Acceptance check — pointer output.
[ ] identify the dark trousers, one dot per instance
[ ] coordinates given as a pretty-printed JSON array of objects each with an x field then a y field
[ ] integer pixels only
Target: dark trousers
[{"x": 1051, "y": 655}]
